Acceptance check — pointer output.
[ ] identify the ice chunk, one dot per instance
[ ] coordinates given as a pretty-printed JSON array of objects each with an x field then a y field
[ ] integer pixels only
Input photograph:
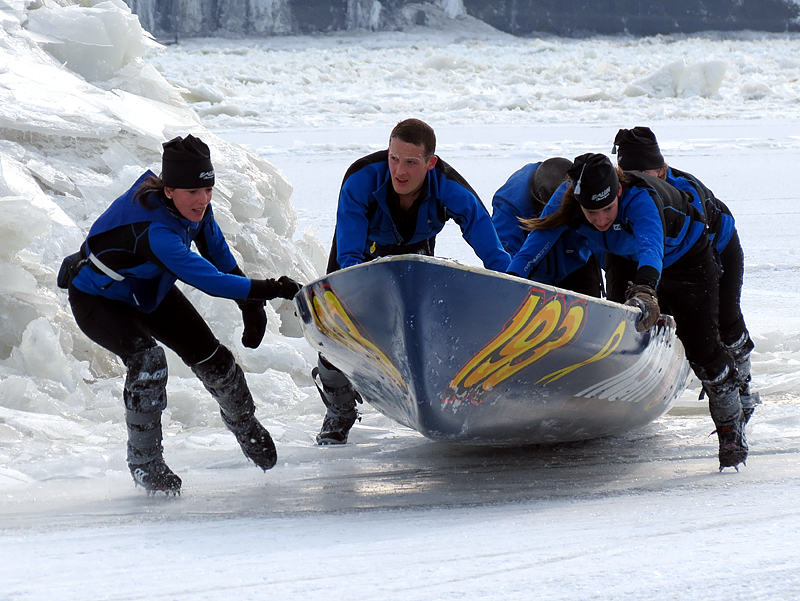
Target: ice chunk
[
  {"x": 755, "y": 90},
  {"x": 679, "y": 80},
  {"x": 94, "y": 41},
  {"x": 142, "y": 79},
  {"x": 15, "y": 279},
  {"x": 51, "y": 177},
  {"x": 20, "y": 222},
  {"x": 148, "y": 117},
  {"x": 663, "y": 83},
  {"x": 701, "y": 79},
  {"x": 454, "y": 8},
  {"x": 40, "y": 355}
]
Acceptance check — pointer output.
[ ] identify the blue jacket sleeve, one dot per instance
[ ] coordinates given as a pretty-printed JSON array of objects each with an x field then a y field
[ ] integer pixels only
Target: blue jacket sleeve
[
  {"x": 476, "y": 226},
  {"x": 193, "y": 269},
  {"x": 352, "y": 225},
  {"x": 540, "y": 242},
  {"x": 648, "y": 231},
  {"x": 219, "y": 251},
  {"x": 534, "y": 249}
]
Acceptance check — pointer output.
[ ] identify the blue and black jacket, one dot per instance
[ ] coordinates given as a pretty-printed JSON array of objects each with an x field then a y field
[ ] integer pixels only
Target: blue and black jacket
[
  {"x": 514, "y": 201},
  {"x": 365, "y": 228},
  {"x": 656, "y": 225},
  {"x": 719, "y": 218},
  {"x": 139, "y": 253}
]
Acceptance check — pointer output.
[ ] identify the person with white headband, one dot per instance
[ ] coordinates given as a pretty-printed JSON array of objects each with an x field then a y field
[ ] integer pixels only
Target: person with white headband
[{"x": 656, "y": 241}]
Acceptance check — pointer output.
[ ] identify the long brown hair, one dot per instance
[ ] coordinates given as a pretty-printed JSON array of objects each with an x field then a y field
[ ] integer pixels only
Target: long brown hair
[
  {"x": 149, "y": 186},
  {"x": 568, "y": 210}
]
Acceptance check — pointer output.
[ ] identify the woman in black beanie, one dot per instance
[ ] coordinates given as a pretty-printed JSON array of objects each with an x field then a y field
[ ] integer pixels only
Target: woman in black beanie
[
  {"x": 123, "y": 296},
  {"x": 657, "y": 248}
]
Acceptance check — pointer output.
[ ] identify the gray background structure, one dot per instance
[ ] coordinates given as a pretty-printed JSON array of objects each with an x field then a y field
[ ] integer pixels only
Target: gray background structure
[{"x": 239, "y": 18}]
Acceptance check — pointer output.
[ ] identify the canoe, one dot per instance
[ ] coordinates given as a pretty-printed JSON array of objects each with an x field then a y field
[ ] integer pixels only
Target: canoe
[{"x": 467, "y": 355}]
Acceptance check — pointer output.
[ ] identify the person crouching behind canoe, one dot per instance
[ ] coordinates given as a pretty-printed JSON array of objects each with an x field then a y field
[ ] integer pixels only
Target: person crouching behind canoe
[
  {"x": 656, "y": 249},
  {"x": 395, "y": 202},
  {"x": 123, "y": 296},
  {"x": 638, "y": 151},
  {"x": 570, "y": 264}
]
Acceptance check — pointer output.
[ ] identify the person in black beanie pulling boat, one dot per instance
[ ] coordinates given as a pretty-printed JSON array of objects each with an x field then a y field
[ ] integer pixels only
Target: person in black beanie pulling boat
[
  {"x": 657, "y": 249},
  {"x": 122, "y": 292},
  {"x": 637, "y": 150}
]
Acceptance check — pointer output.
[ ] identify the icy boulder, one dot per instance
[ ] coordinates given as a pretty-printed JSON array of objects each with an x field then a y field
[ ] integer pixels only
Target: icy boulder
[
  {"x": 82, "y": 116},
  {"x": 95, "y": 39},
  {"x": 680, "y": 80}
]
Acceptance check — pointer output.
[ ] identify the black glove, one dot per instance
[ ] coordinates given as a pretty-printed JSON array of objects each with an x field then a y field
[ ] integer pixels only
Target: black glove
[
  {"x": 255, "y": 322},
  {"x": 288, "y": 287},
  {"x": 643, "y": 298},
  {"x": 283, "y": 287}
]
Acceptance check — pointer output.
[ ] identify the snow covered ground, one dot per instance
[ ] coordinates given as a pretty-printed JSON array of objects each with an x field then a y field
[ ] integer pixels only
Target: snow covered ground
[{"x": 87, "y": 101}]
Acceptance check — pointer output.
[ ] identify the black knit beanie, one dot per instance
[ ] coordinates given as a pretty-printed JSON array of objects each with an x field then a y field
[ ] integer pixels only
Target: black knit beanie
[
  {"x": 637, "y": 149},
  {"x": 594, "y": 181},
  {"x": 548, "y": 177},
  {"x": 186, "y": 163}
]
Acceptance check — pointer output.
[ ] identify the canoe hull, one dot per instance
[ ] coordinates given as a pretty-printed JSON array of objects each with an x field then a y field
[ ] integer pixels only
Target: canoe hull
[{"x": 467, "y": 355}]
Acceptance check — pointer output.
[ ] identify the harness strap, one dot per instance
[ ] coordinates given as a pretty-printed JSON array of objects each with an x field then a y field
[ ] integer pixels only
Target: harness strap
[{"x": 105, "y": 269}]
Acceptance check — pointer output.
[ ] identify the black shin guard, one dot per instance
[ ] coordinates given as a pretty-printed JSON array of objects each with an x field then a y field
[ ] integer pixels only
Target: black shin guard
[
  {"x": 726, "y": 411},
  {"x": 145, "y": 396},
  {"x": 224, "y": 379},
  {"x": 740, "y": 351},
  {"x": 340, "y": 401}
]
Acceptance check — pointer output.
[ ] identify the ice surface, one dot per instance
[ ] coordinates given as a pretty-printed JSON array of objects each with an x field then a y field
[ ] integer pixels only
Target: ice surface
[{"x": 390, "y": 515}]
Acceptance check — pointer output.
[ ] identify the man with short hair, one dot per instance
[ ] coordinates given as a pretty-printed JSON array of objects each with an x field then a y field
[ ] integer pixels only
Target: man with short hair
[{"x": 395, "y": 202}]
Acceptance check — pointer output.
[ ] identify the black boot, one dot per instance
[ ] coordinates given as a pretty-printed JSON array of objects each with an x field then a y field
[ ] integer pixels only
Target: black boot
[
  {"x": 726, "y": 411},
  {"x": 255, "y": 441},
  {"x": 155, "y": 476},
  {"x": 145, "y": 396},
  {"x": 224, "y": 379},
  {"x": 340, "y": 401},
  {"x": 732, "y": 444}
]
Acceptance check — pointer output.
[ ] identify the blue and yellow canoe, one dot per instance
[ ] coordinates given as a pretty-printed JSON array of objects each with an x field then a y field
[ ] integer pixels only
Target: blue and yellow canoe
[{"x": 468, "y": 355}]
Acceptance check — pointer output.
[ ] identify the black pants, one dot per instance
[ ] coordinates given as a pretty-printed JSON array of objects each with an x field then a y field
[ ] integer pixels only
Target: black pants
[
  {"x": 585, "y": 280},
  {"x": 689, "y": 290},
  {"x": 731, "y": 322},
  {"x": 123, "y": 330}
]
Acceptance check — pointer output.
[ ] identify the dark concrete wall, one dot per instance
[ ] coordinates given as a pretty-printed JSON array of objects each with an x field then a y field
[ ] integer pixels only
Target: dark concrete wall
[
  {"x": 230, "y": 18},
  {"x": 637, "y": 17}
]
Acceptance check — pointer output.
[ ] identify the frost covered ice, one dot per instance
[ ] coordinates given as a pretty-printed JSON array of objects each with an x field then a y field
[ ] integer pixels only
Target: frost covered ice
[{"x": 390, "y": 515}]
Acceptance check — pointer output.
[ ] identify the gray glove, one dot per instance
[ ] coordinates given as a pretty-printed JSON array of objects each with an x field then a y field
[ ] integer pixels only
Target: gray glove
[{"x": 643, "y": 298}]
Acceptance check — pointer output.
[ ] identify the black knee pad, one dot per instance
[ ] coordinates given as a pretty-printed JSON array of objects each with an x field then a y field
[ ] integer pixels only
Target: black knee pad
[
  {"x": 218, "y": 370},
  {"x": 716, "y": 370},
  {"x": 146, "y": 382},
  {"x": 224, "y": 379},
  {"x": 740, "y": 345}
]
